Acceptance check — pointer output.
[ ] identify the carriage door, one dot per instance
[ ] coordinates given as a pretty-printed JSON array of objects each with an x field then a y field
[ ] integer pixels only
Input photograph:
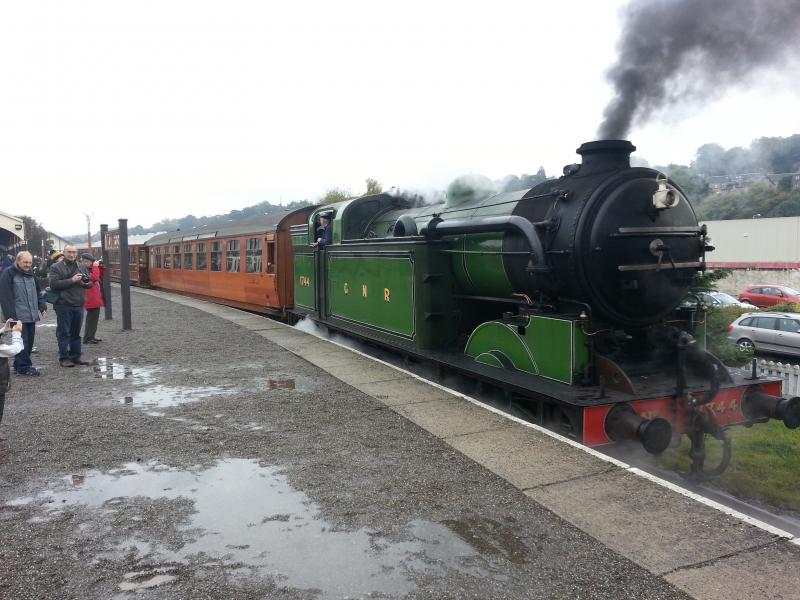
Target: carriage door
[
  {"x": 142, "y": 261},
  {"x": 320, "y": 281}
]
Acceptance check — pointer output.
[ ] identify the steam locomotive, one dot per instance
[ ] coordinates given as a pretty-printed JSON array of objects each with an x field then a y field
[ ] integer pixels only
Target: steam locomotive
[{"x": 563, "y": 295}]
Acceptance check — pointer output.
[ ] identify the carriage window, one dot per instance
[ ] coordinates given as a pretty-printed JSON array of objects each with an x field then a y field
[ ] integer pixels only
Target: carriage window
[
  {"x": 157, "y": 257},
  {"x": 201, "y": 256},
  {"x": 233, "y": 257},
  {"x": 167, "y": 258},
  {"x": 254, "y": 255},
  {"x": 216, "y": 256},
  {"x": 176, "y": 257},
  {"x": 187, "y": 256},
  {"x": 270, "y": 257}
]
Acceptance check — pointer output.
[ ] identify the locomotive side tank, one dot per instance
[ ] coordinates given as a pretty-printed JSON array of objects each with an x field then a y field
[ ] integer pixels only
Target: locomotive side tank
[{"x": 563, "y": 295}]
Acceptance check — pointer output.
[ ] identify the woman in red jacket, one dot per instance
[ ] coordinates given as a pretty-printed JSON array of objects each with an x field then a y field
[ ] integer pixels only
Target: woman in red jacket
[{"x": 94, "y": 298}]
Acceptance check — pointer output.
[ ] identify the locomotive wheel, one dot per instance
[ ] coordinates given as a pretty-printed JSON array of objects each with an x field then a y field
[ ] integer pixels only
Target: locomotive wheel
[{"x": 746, "y": 345}]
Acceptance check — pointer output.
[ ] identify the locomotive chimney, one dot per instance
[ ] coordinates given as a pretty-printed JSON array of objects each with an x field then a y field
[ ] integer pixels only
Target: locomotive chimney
[{"x": 605, "y": 155}]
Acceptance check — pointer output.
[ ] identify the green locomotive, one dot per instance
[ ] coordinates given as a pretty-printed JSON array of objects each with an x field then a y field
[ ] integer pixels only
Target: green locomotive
[{"x": 564, "y": 295}]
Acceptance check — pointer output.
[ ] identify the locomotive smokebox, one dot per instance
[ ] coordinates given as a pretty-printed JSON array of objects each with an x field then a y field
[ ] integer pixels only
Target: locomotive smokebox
[{"x": 605, "y": 155}]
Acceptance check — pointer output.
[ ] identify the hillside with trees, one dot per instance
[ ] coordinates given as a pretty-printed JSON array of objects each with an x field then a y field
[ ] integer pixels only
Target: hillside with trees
[
  {"x": 739, "y": 183},
  {"x": 733, "y": 183}
]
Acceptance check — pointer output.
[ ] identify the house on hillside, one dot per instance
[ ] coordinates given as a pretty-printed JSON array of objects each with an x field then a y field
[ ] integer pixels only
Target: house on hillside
[{"x": 729, "y": 183}]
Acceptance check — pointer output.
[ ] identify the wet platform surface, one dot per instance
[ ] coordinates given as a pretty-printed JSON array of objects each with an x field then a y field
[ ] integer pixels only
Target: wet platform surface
[{"x": 211, "y": 453}]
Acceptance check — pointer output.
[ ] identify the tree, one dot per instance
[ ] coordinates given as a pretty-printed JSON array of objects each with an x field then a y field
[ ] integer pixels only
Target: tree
[
  {"x": 694, "y": 186},
  {"x": 334, "y": 195},
  {"x": 710, "y": 160},
  {"x": 512, "y": 183},
  {"x": 373, "y": 187},
  {"x": 36, "y": 236}
]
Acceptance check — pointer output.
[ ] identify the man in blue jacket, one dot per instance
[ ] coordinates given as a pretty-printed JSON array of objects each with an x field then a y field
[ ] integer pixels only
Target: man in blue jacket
[{"x": 21, "y": 300}]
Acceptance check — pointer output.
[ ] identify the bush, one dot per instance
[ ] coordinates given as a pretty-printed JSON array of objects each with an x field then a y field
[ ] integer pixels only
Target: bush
[{"x": 717, "y": 342}]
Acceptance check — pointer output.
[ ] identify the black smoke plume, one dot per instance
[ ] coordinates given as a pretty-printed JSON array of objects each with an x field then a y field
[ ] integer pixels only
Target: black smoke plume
[{"x": 676, "y": 51}]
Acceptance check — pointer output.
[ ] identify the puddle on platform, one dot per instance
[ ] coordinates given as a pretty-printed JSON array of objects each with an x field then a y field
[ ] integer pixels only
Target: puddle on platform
[
  {"x": 280, "y": 381},
  {"x": 280, "y": 384},
  {"x": 490, "y": 537},
  {"x": 165, "y": 396},
  {"x": 114, "y": 368},
  {"x": 249, "y": 517}
]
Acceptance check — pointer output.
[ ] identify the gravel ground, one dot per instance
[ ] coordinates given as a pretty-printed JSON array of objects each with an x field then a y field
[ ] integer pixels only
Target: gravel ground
[{"x": 196, "y": 459}]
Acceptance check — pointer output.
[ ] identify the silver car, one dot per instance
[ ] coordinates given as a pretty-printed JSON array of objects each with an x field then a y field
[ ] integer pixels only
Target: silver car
[
  {"x": 715, "y": 300},
  {"x": 767, "y": 332}
]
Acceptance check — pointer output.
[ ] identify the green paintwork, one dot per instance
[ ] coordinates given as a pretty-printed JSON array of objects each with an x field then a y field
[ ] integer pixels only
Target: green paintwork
[
  {"x": 489, "y": 359},
  {"x": 551, "y": 347},
  {"x": 499, "y": 337},
  {"x": 481, "y": 274},
  {"x": 348, "y": 278},
  {"x": 304, "y": 281},
  {"x": 551, "y": 342}
]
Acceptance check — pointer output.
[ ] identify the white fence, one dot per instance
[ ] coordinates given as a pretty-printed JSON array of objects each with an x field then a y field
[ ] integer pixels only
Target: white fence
[{"x": 790, "y": 374}]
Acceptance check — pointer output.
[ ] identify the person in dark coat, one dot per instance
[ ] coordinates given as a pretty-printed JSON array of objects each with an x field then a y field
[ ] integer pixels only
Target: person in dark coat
[
  {"x": 71, "y": 281},
  {"x": 21, "y": 300},
  {"x": 94, "y": 298},
  {"x": 325, "y": 230},
  {"x": 7, "y": 262}
]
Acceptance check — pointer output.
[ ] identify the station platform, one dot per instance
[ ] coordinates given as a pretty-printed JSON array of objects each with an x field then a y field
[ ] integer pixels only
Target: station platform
[{"x": 213, "y": 453}]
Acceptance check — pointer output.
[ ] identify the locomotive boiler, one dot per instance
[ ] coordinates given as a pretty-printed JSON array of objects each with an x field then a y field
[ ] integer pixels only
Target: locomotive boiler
[{"x": 563, "y": 295}]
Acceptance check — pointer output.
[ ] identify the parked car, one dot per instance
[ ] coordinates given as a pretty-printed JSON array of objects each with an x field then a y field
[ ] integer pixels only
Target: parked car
[
  {"x": 715, "y": 300},
  {"x": 762, "y": 295},
  {"x": 768, "y": 332}
]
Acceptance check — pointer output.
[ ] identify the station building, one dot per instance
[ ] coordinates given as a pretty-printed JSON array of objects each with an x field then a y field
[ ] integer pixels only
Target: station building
[
  {"x": 12, "y": 233},
  {"x": 757, "y": 250}
]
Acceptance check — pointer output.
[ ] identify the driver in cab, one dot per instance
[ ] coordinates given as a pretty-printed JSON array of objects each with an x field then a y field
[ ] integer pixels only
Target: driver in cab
[{"x": 324, "y": 231}]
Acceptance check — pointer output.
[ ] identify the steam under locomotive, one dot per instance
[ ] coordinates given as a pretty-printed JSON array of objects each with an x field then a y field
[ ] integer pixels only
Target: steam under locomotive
[{"x": 563, "y": 295}]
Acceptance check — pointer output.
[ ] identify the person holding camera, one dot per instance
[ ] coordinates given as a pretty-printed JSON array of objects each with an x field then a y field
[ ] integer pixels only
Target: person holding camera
[
  {"x": 20, "y": 299},
  {"x": 6, "y": 352},
  {"x": 70, "y": 280},
  {"x": 94, "y": 298}
]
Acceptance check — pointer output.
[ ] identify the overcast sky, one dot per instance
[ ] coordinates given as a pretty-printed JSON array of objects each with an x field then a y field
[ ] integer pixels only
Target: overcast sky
[{"x": 155, "y": 109}]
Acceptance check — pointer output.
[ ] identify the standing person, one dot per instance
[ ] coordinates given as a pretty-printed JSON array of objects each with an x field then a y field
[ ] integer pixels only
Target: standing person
[
  {"x": 94, "y": 298},
  {"x": 6, "y": 352},
  {"x": 20, "y": 298},
  {"x": 70, "y": 281},
  {"x": 8, "y": 260}
]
